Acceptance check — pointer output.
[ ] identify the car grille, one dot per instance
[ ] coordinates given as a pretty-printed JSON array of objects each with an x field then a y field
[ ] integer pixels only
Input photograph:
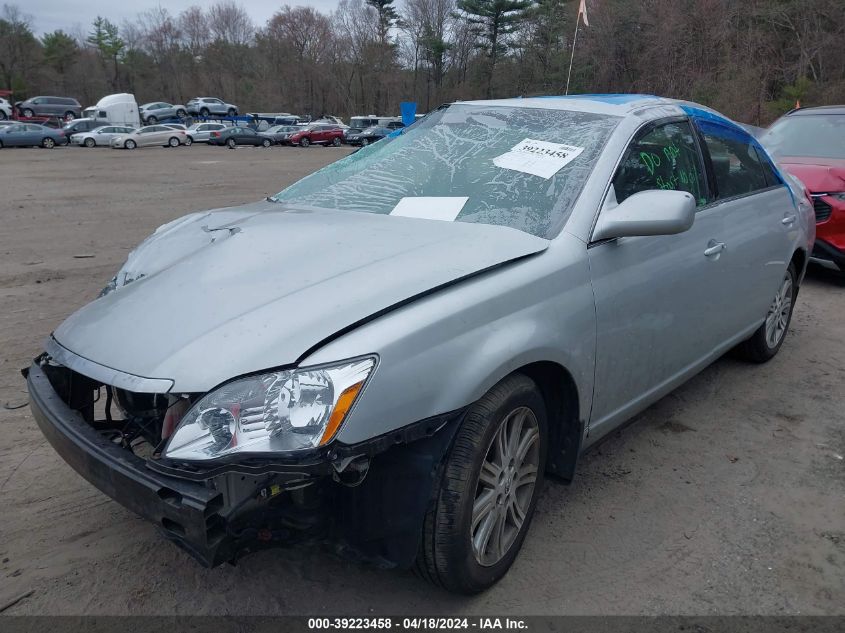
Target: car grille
[{"x": 822, "y": 209}]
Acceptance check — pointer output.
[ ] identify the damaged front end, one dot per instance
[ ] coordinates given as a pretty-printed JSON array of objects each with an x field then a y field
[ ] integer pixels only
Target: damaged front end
[{"x": 368, "y": 500}]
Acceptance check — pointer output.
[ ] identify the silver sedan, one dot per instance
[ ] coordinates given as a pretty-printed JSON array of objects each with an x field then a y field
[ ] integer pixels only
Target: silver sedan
[
  {"x": 101, "y": 136},
  {"x": 395, "y": 350}
]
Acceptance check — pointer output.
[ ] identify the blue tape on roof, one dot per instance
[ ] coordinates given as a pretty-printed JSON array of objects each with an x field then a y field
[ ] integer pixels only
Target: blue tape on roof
[{"x": 616, "y": 99}]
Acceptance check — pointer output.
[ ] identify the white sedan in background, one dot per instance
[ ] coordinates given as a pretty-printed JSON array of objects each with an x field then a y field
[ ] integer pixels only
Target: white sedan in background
[
  {"x": 151, "y": 135},
  {"x": 101, "y": 136}
]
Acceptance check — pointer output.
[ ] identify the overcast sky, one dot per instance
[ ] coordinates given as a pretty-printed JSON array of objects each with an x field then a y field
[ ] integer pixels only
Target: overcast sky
[{"x": 49, "y": 15}]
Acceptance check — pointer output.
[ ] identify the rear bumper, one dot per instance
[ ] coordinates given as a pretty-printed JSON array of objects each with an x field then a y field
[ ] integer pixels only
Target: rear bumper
[{"x": 188, "y": 513}]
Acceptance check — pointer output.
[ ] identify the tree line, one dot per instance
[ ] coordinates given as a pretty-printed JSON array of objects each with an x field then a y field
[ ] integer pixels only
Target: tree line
[{"x": 751, "y": 59}]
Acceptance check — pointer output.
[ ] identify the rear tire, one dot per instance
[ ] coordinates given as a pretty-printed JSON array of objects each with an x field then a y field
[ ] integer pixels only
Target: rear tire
[
  {"x": 766, "y": 341},
  {"x": 48, "y": 143},
  {"x": 173, "y": 141},
  {"x": 487, "y": 490}
]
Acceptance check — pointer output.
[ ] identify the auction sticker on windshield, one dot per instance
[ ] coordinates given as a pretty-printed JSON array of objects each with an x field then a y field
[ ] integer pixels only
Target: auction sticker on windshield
[
  {"x": 539, "y": 158},
  {"x": 430, "y": 207}
]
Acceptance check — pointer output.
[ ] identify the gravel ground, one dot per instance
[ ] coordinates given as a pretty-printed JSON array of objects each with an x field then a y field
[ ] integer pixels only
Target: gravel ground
[{"x": 726, "y": 497}]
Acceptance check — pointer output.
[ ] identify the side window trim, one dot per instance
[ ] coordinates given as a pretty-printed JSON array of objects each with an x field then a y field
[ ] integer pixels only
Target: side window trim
[
  {"x": 762, "y": 158},
  {"x": 650, "y": 126}
]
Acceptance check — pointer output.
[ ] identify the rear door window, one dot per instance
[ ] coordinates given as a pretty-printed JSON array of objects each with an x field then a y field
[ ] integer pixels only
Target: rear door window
[
  {"x": 736, "y": 166},
  {"x": 662, "y": 157}
]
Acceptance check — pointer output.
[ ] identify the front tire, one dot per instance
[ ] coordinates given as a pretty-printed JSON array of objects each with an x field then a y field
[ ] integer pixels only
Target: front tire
[
  {"x": 266, "y": 143},
  {"x": 90, "y": 142},
  {"x": 204, "y": 112},
  {"x": 27, "y": 113},
  {"x": 152, "y": 120},
  {"x": 488, "y": 489},
  {"x": 765, "y": 343},
  {"x": 336, "y": 141},
  {"x": 188, "y": 141},
  {"x": 181, "y": 114},
  {"x": 130, "y": 145},
  {"x": 304, "y": 142},
  {"x": 69, "y": 116},
  {"x": 231, "y": 112},
  {"x": 364, "y": 142},
  {"x": 231, "y": 143}
]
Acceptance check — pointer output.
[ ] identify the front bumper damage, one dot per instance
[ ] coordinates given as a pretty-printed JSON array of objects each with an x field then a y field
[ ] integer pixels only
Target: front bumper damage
[{"x": 368, "y": 500}]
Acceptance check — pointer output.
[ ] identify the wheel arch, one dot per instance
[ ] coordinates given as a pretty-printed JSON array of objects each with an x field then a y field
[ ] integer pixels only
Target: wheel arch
[
  {"x": 560, "y": 393},
  {"x": 799, "y": 260}
]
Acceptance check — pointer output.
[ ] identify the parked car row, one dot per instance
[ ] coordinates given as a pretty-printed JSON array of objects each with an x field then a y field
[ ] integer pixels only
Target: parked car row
[{"x": 91, "y": 133}]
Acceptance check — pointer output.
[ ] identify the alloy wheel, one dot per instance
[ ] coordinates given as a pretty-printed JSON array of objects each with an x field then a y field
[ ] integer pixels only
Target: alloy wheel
[
  {"x": 777, "y": 320},
  {"x": 505, "y": 486}
]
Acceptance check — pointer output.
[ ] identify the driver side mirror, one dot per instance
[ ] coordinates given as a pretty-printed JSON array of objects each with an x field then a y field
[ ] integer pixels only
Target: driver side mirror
[{"x": 652, "y": 212}]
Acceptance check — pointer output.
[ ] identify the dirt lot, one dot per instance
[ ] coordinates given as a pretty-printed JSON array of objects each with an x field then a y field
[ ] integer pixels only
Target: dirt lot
[{"x": 727, "y": 497}]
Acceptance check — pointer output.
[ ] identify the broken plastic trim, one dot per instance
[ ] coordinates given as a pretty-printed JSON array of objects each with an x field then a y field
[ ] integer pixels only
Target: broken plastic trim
[{"x": 320, "y": 461}]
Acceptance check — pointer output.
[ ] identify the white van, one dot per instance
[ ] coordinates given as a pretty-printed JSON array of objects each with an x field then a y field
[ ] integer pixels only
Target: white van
[{"x": 116, "y": 109}]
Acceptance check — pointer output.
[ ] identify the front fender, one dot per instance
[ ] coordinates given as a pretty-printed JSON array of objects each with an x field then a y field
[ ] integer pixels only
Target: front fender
[{"x": 445, "y": 350}]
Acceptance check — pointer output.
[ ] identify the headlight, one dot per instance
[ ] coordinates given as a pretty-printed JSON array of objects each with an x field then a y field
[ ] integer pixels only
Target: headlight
[
  {"x": 838, "y": 196},
  {"x": 269, "y": 413}
]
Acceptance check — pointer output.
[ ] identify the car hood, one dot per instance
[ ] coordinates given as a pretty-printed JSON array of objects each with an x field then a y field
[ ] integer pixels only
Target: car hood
[
  {"x": 820, "y": 175},
  {"x": 220, "y": 294}
]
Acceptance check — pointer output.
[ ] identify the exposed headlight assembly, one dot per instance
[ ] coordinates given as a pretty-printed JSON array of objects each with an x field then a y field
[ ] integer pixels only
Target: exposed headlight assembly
[{"x": 270, "y": 413}]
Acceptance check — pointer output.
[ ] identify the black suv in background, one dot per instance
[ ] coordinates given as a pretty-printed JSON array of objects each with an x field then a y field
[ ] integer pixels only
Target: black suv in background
[{"x": 63, "y": 107}]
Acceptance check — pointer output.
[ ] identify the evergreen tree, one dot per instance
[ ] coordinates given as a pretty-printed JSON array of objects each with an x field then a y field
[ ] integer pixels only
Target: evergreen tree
[
  {"x": 106, "y": 39},
  {"x": 494, "y": 20}
]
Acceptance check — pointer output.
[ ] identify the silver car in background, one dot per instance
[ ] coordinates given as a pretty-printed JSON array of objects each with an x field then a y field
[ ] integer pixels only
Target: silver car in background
[
  {"x": 156, "y": 111},
  {"x": 101, "y": 136},
  {"x": 211, "y": 106},
  {"x": 394, "y": 351},
  {"x": 200, "y": 132}
]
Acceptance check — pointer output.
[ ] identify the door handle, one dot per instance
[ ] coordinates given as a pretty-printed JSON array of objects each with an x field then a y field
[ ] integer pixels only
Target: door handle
[
  {"x": 789, "y": 220},
  {"x": 714, "y": 248}
]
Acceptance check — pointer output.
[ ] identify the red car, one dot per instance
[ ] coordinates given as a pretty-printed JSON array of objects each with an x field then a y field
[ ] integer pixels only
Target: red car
[
  {"x": 810, "y": 144},
  {"x": 317, "y": 134}
]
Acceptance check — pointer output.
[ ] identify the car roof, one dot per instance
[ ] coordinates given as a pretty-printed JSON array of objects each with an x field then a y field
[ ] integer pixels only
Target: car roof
[
  {"x": 829, "y": 109},
  {"x": 640, "y": 106}
]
